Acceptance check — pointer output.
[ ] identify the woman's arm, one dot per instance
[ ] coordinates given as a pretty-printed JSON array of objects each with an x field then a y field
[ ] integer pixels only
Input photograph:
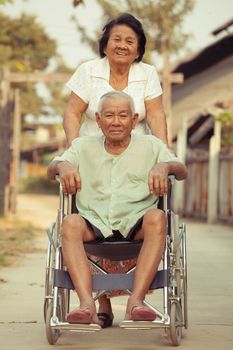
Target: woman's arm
[
  {"x": 156, "y": 119},
  {"x": 72, "y": 118}
]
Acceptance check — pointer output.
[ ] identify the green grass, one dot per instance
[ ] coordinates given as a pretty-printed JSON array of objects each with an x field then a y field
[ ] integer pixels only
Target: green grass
[{"x": 16, "y": 239}]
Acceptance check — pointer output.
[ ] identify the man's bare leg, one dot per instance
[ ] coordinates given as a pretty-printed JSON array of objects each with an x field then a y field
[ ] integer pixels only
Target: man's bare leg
[
  {"x": 153, "y": 234},
  {"x": 74, "y": 232}
]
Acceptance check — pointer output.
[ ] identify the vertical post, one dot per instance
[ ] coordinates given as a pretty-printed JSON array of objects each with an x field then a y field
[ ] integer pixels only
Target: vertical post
[
  {"x": 167, "y": 94},
  {"x": 4, "y": 142},
  {"x": 179, "y": 186},
  {"x": 213, "y": 173},
  {"x": 15, "y": 152}
]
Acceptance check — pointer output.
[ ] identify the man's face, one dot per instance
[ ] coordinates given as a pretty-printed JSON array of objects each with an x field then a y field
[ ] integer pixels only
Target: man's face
[{"x": 116, "y": 120}]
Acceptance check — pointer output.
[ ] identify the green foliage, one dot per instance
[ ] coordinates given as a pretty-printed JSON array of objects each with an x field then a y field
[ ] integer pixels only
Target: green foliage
[
  {"x": 226, "y": 119},
  {"x": 58, "y": 99},
  {"x": 24, "y": 44},
  {"x": 162, "y": 20},
  {"x": 29, "y": 99},
  {"x": 3, "y": 2},
  {"x": 25, "y": 47}
]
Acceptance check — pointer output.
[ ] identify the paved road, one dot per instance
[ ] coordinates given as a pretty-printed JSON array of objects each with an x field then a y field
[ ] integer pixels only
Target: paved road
[{"x": 210, "y": 266}]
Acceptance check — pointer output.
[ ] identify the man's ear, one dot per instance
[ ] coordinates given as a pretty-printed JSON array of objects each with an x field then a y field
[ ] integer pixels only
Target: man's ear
[
  {"x": 135, "y": 119},
  {"x": 97, "y": 118}
]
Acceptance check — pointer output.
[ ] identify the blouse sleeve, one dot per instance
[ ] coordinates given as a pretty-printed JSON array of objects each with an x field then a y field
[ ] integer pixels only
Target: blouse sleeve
[
  {"x": 153, "y": 86},
  {"x": 79, "y": 82}
]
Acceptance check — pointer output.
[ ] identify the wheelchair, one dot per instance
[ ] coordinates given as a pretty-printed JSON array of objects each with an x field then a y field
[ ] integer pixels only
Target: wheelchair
[{"x": 171, "y": 277}]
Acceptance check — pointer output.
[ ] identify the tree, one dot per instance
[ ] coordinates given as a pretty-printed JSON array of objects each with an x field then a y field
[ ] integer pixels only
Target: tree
[
  {"x": 2, "y": 2},
  {"x": 226, "y": 119},
  {"x": 58, "y": 99},
  {"x": 25, "y": 47},
  {"x": 162, "y": 22}
]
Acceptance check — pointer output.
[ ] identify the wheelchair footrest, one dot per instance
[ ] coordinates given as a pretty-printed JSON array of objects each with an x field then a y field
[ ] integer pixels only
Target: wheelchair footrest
[
  {"x": 79, "y": 327},
  {"x": 143, "y": 325}
]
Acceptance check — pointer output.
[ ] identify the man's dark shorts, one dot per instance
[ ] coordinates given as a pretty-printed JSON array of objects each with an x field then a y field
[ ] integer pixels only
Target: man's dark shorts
[{"x": 116, "y": 235}]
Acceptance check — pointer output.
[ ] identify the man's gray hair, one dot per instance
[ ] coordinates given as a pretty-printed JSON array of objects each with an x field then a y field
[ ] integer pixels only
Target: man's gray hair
[{"x": 116, "y": 94}]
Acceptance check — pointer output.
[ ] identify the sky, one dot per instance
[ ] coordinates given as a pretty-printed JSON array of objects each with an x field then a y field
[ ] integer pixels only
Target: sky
[{"x": 55, "y": 16}]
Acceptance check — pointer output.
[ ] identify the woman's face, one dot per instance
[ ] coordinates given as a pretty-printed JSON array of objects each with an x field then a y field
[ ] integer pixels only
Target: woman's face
[{"x": 122, "y": 46}]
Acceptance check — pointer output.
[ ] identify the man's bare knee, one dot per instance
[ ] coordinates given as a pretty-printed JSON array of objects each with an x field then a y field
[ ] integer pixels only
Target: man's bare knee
[
  {"x": 73, "y": 227},
  {"x": 155, "y": 218}
]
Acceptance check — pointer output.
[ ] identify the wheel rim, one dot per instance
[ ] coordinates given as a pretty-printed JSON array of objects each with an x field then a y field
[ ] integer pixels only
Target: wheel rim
[{"x": 185, "y": 280}]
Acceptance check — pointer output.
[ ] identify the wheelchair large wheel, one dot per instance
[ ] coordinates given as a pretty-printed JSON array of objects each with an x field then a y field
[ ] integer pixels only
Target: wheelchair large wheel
[
  {"x": 181, "y": 275},
  {"x": 49, "y": 272},
  {"x": 51, "y": 333},
  {"x": 185, "y": 279},
  {"x": 176, "y": 323}
]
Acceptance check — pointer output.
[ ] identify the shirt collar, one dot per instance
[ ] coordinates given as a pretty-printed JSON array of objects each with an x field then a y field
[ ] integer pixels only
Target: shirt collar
[{"x": 102, "y": 70}]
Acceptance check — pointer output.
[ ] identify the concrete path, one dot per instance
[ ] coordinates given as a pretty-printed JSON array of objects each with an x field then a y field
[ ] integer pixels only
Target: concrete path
[{"x": 210, "y": 266}]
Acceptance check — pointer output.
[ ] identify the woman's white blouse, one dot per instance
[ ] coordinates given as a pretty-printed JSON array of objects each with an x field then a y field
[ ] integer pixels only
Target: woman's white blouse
[{"x": 91, "y": 80}]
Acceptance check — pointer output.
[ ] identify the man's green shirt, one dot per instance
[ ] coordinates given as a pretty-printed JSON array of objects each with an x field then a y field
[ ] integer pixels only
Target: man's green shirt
[{"x": 115, "y": 192}]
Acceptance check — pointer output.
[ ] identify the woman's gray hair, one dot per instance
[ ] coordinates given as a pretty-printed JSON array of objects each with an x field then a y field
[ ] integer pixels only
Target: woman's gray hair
[{"x": 116, "y": 94}]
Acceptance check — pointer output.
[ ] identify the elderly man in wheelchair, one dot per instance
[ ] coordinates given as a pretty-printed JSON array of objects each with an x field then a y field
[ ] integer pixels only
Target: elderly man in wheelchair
[{"x": 118, "y": 178}]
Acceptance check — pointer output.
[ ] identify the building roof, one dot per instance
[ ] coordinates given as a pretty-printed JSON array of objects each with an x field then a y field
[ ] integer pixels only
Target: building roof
[
  {"x": 223, "y": 27},
  {"x": 208, "y": 81},
  {"x": 207, "y": 57}
]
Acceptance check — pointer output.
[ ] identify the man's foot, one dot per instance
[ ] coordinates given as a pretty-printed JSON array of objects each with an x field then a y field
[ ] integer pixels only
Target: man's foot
[
  {"x": 137, "y": 311},
  {"x": 83, "y": 316},
  {"x": 142, "y": 313}
]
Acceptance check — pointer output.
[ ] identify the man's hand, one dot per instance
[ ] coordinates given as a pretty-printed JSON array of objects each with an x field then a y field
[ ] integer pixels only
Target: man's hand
[
  {"x": 158, "y": 179},
  {"x": 69, "y": 177}
]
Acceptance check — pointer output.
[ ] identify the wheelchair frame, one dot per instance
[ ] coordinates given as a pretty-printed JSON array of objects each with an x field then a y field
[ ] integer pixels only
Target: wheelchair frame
[{"x": 172, "y": 278}]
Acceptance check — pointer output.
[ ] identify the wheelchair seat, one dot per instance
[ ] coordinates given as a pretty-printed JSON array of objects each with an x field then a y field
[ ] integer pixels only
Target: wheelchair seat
[{"x": 117, "y": 250}]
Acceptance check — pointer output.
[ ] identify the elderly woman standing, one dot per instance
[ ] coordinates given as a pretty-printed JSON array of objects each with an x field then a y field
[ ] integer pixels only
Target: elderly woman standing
[{"x": 119, "y": 67}]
